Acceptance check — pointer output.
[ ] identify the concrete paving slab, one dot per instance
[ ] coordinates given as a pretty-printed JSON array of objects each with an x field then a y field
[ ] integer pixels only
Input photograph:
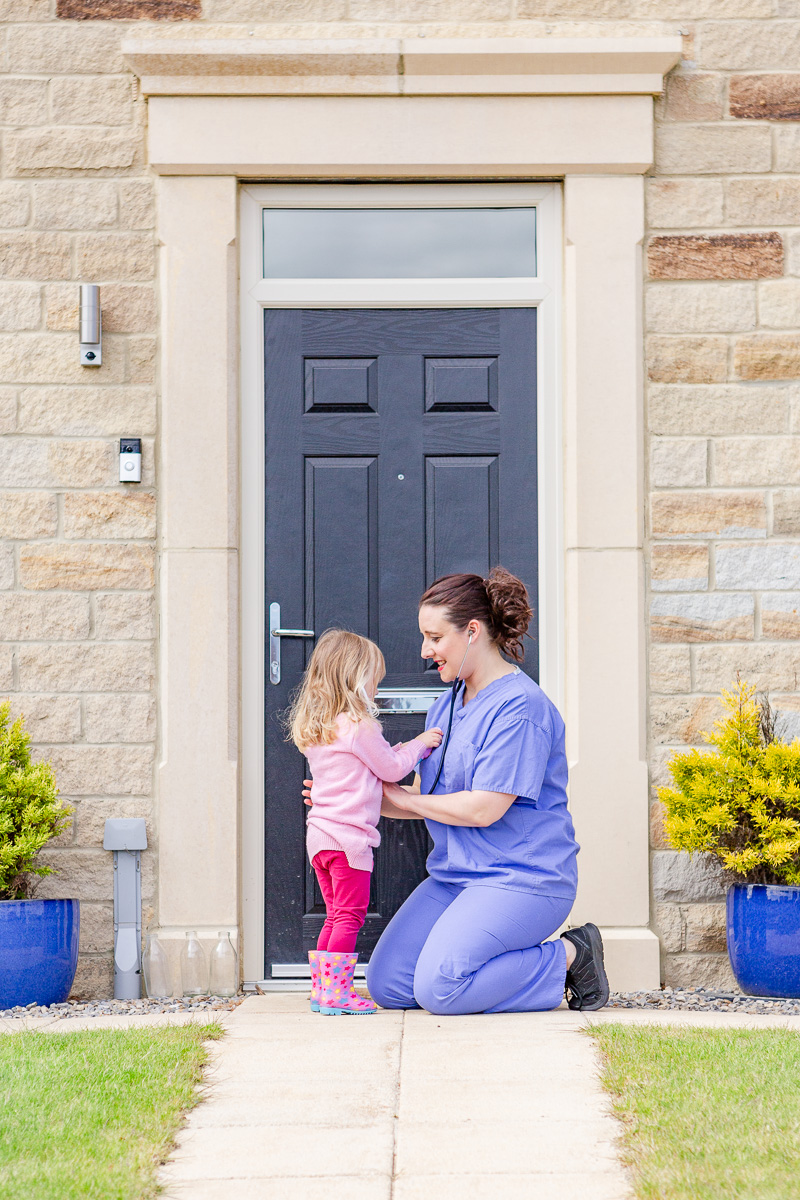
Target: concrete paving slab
[
  {"x": 348, "y": 1187},
  {"x": 571, "y": 1186},
  {"x": 520, "y": 1147},
  {"x": 493, "y": 1101}
]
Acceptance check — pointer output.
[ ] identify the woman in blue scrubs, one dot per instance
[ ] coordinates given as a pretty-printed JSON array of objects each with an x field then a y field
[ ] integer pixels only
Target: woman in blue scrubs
[{"x": 473, "y": 937}]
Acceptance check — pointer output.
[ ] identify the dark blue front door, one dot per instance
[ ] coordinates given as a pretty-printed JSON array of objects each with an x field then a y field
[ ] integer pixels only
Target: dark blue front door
[{"x": 400, "y": 446}]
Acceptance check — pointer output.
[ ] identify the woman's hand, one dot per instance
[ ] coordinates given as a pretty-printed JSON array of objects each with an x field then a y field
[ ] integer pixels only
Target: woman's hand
[
  {"x": 397, "y": 795},
  {"x": 307, "y": 792}
]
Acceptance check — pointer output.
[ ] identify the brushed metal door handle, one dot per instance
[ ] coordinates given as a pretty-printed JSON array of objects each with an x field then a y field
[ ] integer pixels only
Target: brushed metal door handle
[{"x": 275, "y": 635}]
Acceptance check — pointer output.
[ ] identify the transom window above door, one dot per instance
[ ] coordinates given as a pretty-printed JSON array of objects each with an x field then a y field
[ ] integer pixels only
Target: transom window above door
[{"x": 399, "y": 243}]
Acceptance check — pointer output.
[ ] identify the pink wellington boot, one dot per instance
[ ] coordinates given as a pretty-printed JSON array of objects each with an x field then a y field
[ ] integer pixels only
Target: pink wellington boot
[
  {"x": 337, "y": 996},
  {"x": 313, "y": 961}
]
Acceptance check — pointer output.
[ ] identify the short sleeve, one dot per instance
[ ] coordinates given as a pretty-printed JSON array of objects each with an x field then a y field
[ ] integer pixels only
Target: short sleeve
[{"x": 513, "y": 758}]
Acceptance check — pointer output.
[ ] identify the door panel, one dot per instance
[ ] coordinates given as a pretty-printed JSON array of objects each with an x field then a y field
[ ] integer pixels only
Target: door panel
[{"x": 400, "y": 446}]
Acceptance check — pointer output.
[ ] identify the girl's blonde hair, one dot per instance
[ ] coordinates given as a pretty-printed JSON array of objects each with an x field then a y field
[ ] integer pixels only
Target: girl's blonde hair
[{"x": 341, "y": 667}]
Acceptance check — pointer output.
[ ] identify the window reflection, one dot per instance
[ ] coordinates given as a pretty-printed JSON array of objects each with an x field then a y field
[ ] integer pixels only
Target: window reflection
[{"x": 400, "y": 243}]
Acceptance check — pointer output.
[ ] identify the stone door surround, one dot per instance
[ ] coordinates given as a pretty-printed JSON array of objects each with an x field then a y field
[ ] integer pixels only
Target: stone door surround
[{"x": 223, "y": 110}]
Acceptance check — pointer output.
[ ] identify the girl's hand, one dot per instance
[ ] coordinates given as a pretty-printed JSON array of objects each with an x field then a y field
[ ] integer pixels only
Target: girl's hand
[
  {"x": 432, "y": 738},
  {"x": 307, "y": 792}
]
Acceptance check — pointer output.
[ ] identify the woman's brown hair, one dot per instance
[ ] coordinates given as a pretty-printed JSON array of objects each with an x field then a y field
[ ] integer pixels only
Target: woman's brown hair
[{"x": 500, "y": 602}]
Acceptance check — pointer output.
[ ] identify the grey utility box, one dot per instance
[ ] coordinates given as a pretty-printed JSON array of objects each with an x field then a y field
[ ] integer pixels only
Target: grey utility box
[{"x": 127, "y": 836}]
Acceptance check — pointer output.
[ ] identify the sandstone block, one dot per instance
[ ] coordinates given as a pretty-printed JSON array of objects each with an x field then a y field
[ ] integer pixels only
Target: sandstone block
[
  {"x": 25, "y": 10},
  {"x": 92, "y": 815},
  {"x": 43, "y": 618},
  {"x": 712, "y": 971},
  {"x": 85, "y": 566},
  {"x": 762, "y": 202},
  {"x": 767, "y": 356},
  {"x": 35, "y": 256},
  {"x": 120, "y": 718},
  {"x": 675, "y": 720},
  {"x": 770, "y": 565},
  {"x": 713, "y": 149},
  {"x": 8, "y": 410},
  {"x": 142, "y": 359},
  {"x": 125, "y": 616},
  {"x": 282, "y": 10},
  {"x": 730, "y": 409},
  {"x": 137, "y": 204},
  {"x": 706, "y": 618},
  {"x": 94, "y": 978},
  {"x": 770, "y": 667},
  {"x": 6, "y": 576},
  {"x": 765, "y": 97},
  {"x": 683, "y": 878},
  {"x": 709, "y": 514},
  {"x": 694, "y": 97},
  {"x": 101, "y": 100},
  {"x": 15, "y": 204},
  {"x": 49, "y": 718},
  {"x": 90, "y": 667},
  {"x": 684, "y": 203},
  {"x": 749, "y": 45},
  {"x": 786, "y": 513},
  {"x": 20, "y": 306},
  {"x": 715, "y": 256},
  {"x": 43, "y": 151},
  {"x": 779, "y": 303},
  {"x": 23, "y": 101},
  {"x": 35, "y": 462},
  {"x": 74, "y": 204},
  {"x": 678, "y": 462},
  {"x": 669, "y": 927},
  {"x": 742, "y": 462},
  {"x": 678, "y": 568},
  {"x": 6, "y": 668},
  {"x": 115, "y": 256},
  {"x": 687, "y": 359},
  {"x": 98, "y": 770},
  {"x": 51, "y": 358},
  {"x": 129, "y": 514},
  {"x": 700, "y": 307},
  {"x": 28, "y": 515},
  {"x": 670, "y": 669},
  {"x": 87, "y": 411},
  {"x": 780, "y": 615},
  {"x": 97, "y": 928},
  {"x": 64, "y": 50},
  {"x": 128, "y": 10},
  {"x": 81, "y": 875},
  {"x": 127, "y": 308},
  {"x": 793, "y": 254},
  {"x": 658, "y": 839},
  {"x": 421, "y": 10}
]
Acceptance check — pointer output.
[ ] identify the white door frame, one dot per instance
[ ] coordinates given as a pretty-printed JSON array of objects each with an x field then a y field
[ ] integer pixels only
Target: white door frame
[{"x": 542, "y": 292}]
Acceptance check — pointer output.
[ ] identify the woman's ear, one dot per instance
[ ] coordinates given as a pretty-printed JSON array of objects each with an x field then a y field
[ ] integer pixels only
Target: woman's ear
[{"x": 473, "y": 629}]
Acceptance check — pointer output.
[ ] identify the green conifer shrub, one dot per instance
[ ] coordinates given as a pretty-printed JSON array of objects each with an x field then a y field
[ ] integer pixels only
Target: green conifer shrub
[
  {"x": 30, "y": 810},
  {"x": 742, "y": 802}
]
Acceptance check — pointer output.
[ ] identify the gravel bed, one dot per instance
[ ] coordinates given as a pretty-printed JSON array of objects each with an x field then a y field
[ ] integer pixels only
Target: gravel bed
[
  {"x": 125, "y": 1008},
  {"x": 704, "y": 1000}
]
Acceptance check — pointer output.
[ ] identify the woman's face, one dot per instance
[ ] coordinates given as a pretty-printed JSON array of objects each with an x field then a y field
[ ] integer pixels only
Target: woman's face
[{"x": 442, "y": 642}]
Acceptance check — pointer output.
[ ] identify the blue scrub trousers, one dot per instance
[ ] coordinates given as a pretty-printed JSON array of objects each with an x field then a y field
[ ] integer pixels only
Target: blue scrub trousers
[{"x": 455, "y": 950}]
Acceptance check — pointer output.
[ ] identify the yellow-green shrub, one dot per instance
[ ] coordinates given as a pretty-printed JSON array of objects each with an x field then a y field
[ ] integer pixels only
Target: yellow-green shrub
[{"x": 742, "y": 803}]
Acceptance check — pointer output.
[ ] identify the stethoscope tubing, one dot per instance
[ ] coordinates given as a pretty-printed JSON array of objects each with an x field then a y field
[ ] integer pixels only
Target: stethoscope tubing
[{"x": 456, "y": 686}]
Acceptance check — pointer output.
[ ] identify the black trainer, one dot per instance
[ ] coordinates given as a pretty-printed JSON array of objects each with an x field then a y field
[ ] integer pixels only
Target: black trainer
[{"x": 587, "y": 985}]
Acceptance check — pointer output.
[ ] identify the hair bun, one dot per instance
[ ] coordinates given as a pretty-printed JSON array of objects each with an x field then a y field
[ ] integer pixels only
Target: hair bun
[{"x": 510, "y": 611}]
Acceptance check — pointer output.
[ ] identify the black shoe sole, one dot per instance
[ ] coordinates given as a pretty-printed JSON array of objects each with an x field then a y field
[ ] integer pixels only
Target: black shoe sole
[{"x": 601, "y": 1001}]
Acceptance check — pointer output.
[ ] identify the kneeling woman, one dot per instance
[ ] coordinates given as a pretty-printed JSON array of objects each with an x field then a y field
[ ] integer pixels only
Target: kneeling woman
[{"x": 473, "y": 936}]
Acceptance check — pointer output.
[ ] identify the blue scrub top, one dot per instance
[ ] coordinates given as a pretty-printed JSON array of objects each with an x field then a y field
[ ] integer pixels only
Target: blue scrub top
[{"x": 508, "y": 738}]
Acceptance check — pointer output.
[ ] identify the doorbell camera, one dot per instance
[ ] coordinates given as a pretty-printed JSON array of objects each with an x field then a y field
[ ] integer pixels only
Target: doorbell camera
[{"x": 130, "y": 460}]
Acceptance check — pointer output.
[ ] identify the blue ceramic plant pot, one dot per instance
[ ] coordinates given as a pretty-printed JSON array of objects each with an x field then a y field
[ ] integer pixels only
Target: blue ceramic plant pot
[
  {"x": 38, "y": 950},
  {"x": 764, "y": 939}
]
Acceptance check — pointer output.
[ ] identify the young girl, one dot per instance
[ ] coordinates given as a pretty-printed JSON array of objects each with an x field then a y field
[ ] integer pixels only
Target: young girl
[{"x": 333, "y": 722}]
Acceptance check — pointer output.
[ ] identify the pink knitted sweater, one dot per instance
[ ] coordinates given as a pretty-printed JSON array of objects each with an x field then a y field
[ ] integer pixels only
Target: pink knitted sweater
[{"x": 348, "y": 776}]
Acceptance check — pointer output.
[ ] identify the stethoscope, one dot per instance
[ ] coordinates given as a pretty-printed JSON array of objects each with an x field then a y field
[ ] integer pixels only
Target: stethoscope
[{"x": 454, "y": 693}]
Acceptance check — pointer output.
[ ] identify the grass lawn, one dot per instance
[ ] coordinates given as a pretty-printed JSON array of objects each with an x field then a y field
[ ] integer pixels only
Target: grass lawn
[
  {"x": 92, "y": 1114},
  {"x": 709, "y": 1114}
]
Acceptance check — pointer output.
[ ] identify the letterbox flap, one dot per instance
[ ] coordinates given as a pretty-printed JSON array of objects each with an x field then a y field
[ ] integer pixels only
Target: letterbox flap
[{"x": 125, "y": 833}]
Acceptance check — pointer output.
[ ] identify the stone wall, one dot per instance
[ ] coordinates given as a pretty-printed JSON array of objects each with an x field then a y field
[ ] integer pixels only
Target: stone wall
[{"x": 722, "y": 291}]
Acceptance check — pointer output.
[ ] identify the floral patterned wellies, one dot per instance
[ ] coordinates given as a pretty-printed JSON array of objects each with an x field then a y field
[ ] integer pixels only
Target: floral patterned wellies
[{"x": 332, "y": 991}]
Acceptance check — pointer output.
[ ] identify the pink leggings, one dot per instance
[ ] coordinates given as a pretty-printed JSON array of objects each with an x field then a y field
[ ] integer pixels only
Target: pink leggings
[{"x": 346, "y": 894}]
